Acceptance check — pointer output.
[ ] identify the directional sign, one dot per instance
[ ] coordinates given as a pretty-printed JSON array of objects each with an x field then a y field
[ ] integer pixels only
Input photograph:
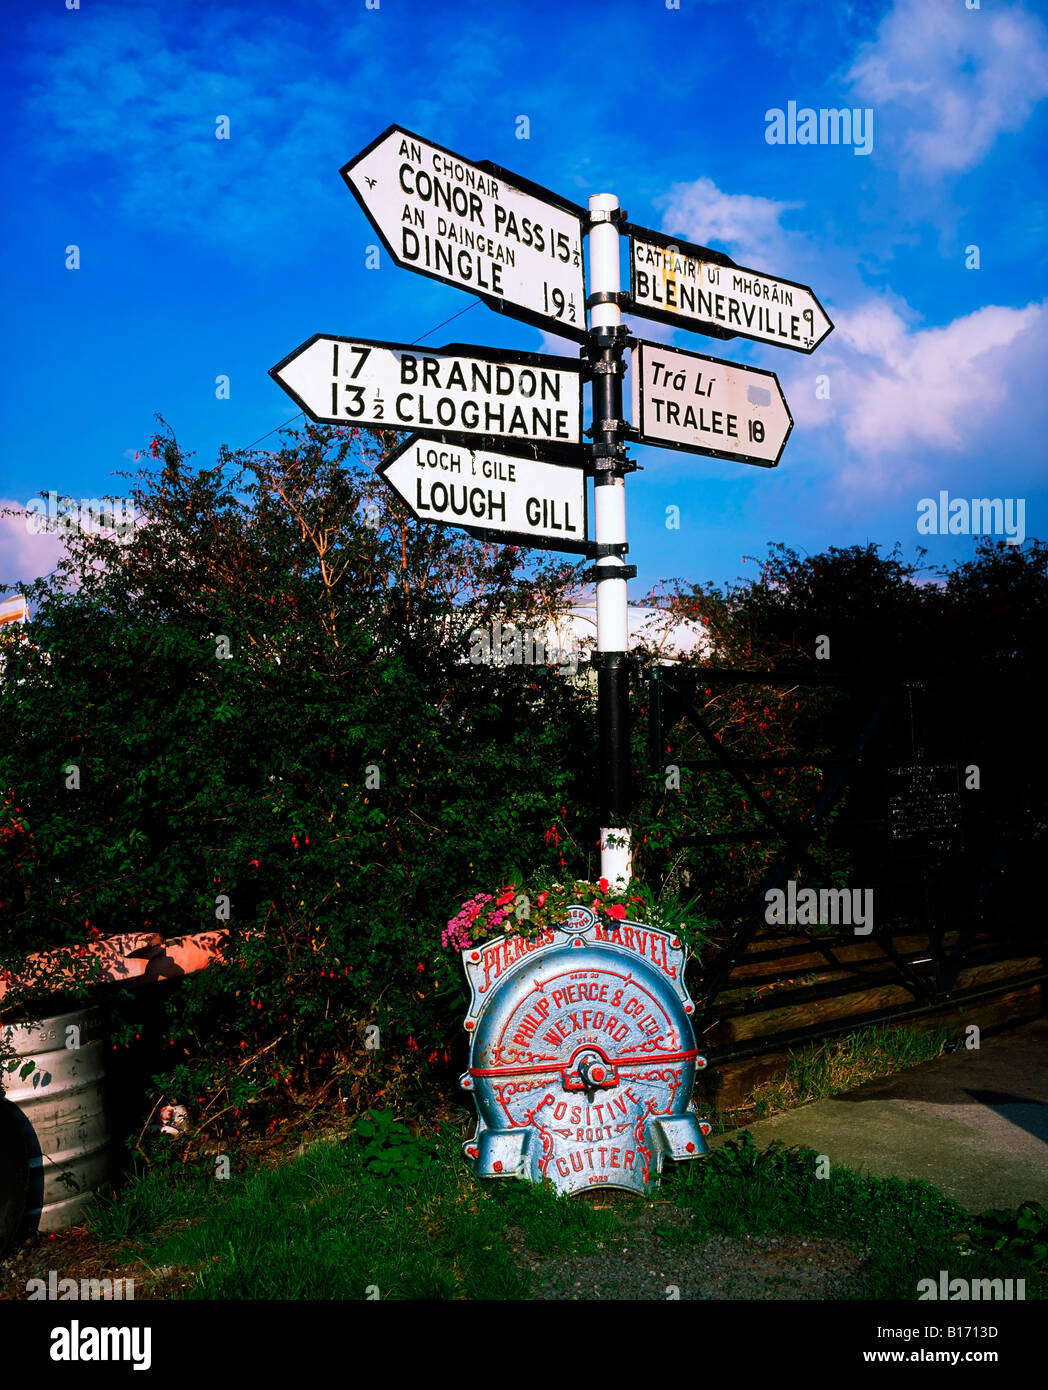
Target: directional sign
[
  {"x": 514, "y": 498},
  {"x": 513, "y": 244},
  {"x": 455, "y": 391},
  {"x": 683, "y": 400},
  {"x": 693, "y": 287}
]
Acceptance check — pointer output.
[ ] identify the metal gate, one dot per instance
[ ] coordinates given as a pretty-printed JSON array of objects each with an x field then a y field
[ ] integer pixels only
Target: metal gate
[{"x": 922, "y": 823}]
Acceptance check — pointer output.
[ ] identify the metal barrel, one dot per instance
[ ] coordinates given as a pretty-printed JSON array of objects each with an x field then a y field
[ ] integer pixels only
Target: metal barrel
[{"x": 61, "y": 1103}]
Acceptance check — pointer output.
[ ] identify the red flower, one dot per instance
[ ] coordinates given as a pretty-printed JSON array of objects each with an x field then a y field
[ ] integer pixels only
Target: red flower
[
  {"x": 540, "y": 900},
  {"x": 507, "y": 897},
  {"x": 617, "y": 911},
  {"x": 603, "y": 885}
]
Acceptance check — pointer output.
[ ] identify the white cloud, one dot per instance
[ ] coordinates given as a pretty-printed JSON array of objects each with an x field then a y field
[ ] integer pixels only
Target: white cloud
[
  {"x": 946, "y": 81},
  {"x": 965, "y": 391},
  {"x": 746, "y": 227},
  {"x": 24, "y": 556}
]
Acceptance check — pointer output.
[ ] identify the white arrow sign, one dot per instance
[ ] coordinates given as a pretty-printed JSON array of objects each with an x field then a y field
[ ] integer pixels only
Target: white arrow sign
[
  {"x": 513, "y": 244},
  {"x": 684, "y": 400},
  {"x": 509, "y": 498},
  {"x": 693, "y": 287},
  {"x": 458, "y": 390}
]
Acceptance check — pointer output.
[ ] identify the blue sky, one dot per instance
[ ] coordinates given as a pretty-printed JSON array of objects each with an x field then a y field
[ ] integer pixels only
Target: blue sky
[{"x": 202, "y": 258}]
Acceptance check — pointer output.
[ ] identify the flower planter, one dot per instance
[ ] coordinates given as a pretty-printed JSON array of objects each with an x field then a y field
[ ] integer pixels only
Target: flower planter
[{"x": 54, "y": 1131}]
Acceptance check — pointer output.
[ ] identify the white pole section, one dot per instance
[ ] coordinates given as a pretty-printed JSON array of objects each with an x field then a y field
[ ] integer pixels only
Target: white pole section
[{"x": 609, "y": 498}]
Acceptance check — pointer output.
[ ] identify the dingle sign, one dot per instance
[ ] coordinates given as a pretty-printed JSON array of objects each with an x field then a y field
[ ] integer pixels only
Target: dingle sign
[
  {"x": 456, "y": 391},
  {"x": 516, "y": 246},
  {"x": 693, "y": 287},
  {"x": 512, "y": 498}
]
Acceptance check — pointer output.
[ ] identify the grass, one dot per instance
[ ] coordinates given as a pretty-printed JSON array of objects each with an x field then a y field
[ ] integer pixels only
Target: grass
[
  {"x": 834, "y": 1065},
  {"x": 326, "y": 1226}
]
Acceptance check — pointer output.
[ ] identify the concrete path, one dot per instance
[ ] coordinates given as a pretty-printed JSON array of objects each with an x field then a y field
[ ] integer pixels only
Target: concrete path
[{"x": 975, "y": 1124}]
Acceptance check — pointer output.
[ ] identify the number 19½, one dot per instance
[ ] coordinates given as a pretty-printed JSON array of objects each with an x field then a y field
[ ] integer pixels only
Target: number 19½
[{"x": 556, "y": 297}]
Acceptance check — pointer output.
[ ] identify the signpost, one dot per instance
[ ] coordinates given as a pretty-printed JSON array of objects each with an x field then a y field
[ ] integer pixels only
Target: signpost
[
  {"x": 458, "y": 391},
  {"x": 683, "y": 400},
  {"x": 515, "y": 498},
  {"x": 517, "y": 246},
  {"x": 496, "y": 442},
  {"x": 496, "y": 449},
  {"x": 693, "y": 287}
]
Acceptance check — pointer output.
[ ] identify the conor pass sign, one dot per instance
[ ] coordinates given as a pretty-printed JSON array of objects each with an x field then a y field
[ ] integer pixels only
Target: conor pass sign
[{"x": 513, "y": 244}]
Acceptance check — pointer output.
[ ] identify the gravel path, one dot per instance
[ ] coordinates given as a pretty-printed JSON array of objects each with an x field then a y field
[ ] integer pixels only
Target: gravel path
[{"x": 652, "y": 1266}]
